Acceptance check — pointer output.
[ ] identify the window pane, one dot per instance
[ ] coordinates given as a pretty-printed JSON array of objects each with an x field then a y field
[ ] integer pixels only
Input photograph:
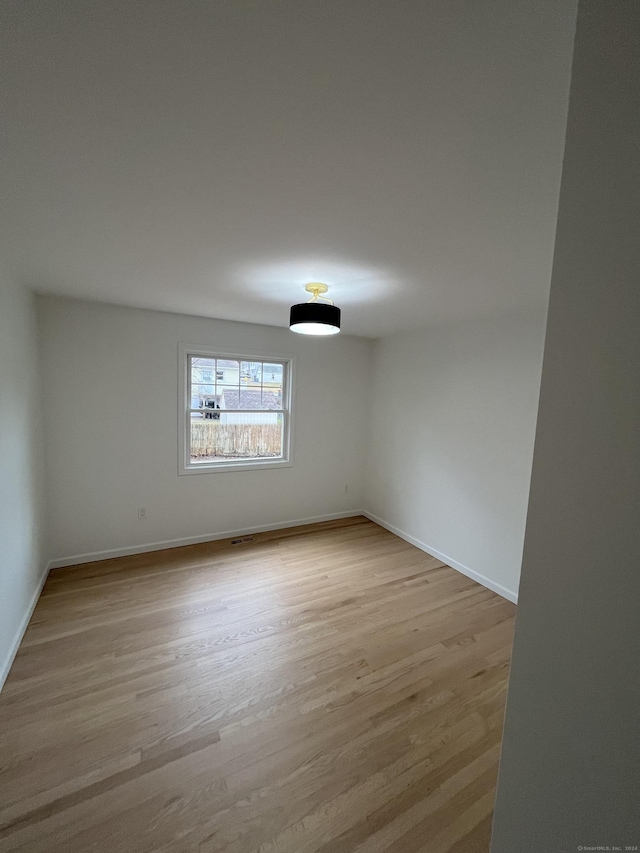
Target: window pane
[
  {"x": 227, "y": 372},
  {"x": 203, "y": 382},
  {"x": 271, "y": 398},
  {"x": 203, "y": 370},
  {"x": 251, "y": 373},
  {"x": 272, "y": 377},
  {"x": 249, "y": 398},
  {"x": 229, "y": 436}
]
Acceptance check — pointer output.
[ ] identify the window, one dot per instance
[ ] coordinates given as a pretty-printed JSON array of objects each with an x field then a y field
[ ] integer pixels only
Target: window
[{"x": 239, "y": 420}]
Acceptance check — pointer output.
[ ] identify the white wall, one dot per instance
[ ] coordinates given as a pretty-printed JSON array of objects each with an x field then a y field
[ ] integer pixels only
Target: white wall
[
  {"x": 21, "y": 469},
  {"x": 451, "y": 444},
  {"x": 570, "y": 770},
  {"x": 111, "y": 380}
]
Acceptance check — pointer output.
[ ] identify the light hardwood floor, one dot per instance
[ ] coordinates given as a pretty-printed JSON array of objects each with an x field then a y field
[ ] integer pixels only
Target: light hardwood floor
[{"x": 329, "y": 688}]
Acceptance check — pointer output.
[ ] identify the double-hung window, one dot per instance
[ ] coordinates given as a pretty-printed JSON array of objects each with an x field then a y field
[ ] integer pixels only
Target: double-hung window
[{"x": 234, "y": 410}]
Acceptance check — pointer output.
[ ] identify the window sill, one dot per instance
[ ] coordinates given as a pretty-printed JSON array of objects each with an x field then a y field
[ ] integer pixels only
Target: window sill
[{"x": 218, "y": 467}]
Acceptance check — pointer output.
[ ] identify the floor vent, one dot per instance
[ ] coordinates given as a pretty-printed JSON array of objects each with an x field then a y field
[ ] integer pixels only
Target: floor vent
[{"x": 243, "y": 540}]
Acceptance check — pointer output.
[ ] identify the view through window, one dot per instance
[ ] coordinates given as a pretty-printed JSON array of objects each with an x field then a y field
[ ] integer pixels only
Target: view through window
[{"x": 237, "y": 410}]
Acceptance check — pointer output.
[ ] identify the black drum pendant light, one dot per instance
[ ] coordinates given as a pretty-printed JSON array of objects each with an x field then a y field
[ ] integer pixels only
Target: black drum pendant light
[{"x": 315, "y": 317}]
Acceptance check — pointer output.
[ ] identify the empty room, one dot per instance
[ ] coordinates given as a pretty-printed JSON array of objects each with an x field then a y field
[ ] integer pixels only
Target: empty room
[{"x": 319, "y": 426}]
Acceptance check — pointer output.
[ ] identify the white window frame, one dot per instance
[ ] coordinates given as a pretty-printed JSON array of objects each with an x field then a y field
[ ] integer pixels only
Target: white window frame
[{"x": 185, "y": 465}]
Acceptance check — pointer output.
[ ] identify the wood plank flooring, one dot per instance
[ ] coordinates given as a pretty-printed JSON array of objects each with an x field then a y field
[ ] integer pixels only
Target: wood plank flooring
[{"x": 329, "y": 688}]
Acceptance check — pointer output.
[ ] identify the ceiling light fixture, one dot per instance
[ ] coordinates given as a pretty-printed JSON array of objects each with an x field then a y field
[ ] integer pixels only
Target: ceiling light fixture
[{"x": 315, "y": 317}]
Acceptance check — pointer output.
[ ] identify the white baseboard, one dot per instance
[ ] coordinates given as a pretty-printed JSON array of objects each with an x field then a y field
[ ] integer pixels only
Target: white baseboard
[
  {"x": 94, "y": 556},
  {"x": 465, "y": 570},
  {"x": 22, "y": 627}
]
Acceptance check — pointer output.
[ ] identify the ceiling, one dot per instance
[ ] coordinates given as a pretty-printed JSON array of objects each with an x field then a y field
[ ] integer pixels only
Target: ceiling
[{"x": 212, "y": 156}]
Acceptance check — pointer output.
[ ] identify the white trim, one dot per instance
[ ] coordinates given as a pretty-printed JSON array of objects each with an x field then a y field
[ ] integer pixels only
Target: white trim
[
  {"x": 94, "y": 556},
  {"x": 204, "y": 468},
  {"x": 460, "y": 567},
  {"x": 288, "y": 360},
  {"x": 22, "y": 627}
]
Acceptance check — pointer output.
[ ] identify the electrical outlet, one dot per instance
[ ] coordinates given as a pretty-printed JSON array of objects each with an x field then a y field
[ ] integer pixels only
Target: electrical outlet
[
  {"x": 142, "y": 512},
  {"x": 346, "y": 487}
]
